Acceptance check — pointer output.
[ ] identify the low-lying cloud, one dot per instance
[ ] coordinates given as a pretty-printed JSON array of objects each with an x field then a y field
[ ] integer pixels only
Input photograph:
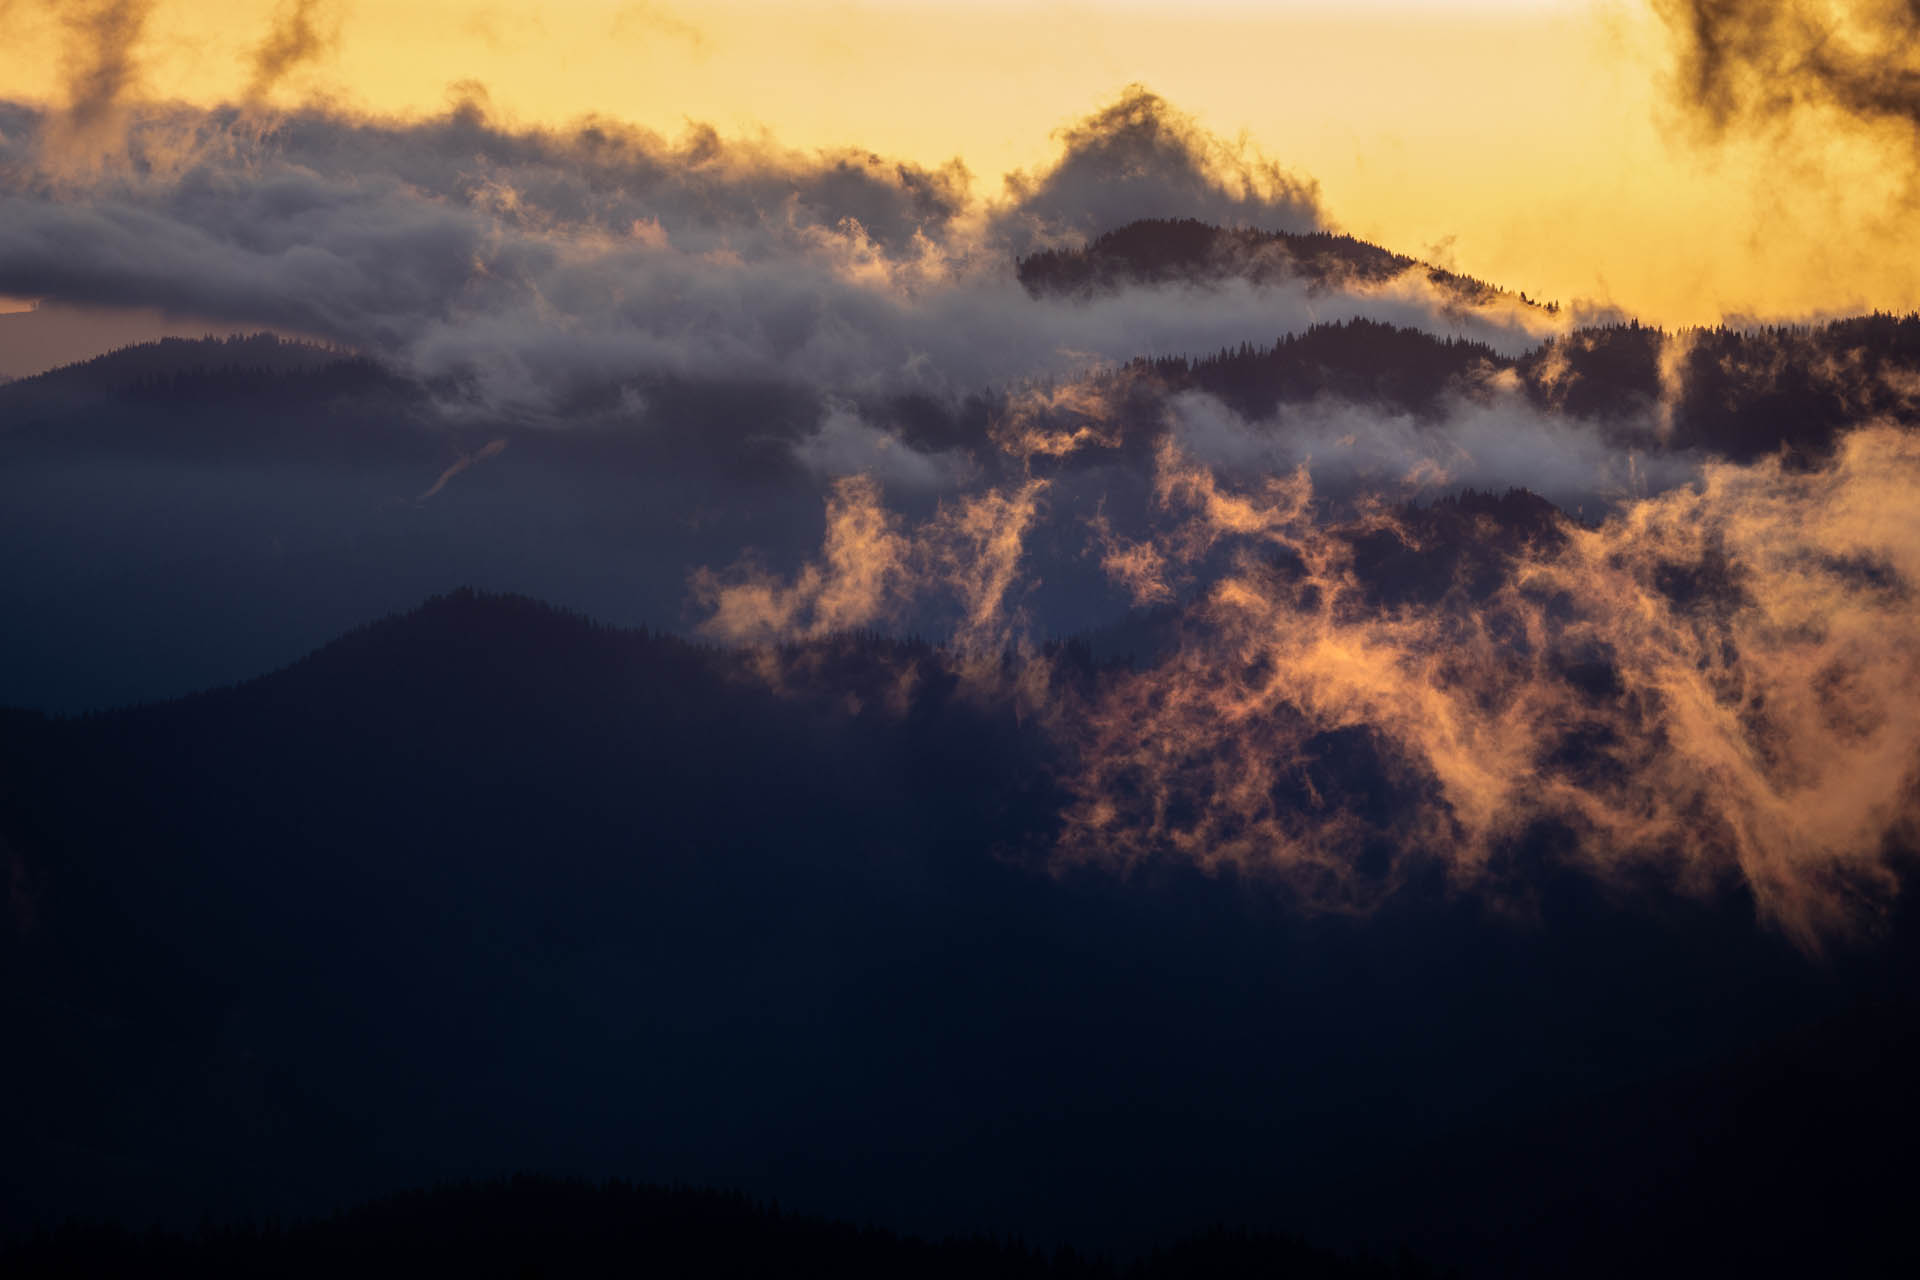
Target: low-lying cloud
[
  {"x": 1718, "y": 685},
  {"x": 525, "y": 266},
  {"x": 101, "y": 69}
]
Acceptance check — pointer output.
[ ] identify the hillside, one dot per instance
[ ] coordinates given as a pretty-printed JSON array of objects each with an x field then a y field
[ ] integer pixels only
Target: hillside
[{"x": 488, "y": 886}]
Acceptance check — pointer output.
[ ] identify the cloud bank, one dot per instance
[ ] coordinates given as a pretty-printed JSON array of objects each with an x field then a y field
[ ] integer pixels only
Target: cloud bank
[
  {"x": 1718, "y": 685},
  {"x": 529, "y": 266}
]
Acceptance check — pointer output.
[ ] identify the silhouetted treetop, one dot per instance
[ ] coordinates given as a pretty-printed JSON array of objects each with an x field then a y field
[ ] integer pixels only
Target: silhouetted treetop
[
  {"x": 172, "y": 357},
  {"x": 1741, "y": 392},
  {"x": 1362, "y": 360}
]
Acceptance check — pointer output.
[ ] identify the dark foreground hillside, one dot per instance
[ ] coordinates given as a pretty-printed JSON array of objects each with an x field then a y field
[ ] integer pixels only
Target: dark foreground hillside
[
  {"x": 488, "y": 887},
  {"x": 528, "y": 1227}
]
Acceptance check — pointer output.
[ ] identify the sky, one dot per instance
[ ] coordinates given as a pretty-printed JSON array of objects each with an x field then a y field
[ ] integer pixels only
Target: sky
[{"x": 1541, "y": 144}]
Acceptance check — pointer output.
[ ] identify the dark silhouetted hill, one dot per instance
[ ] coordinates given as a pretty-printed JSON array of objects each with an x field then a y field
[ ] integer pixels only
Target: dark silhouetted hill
[
  {"x": 235, "y": 397},
  {"x": 1187, "y": 251},
  {"x": 528, "y": 1226},
  {"x": 1365, "y": 361},
  {"x": 1738, "y": 393},
  {"x": 488, "y": 887},
  {"x": 176, "y": 370}
]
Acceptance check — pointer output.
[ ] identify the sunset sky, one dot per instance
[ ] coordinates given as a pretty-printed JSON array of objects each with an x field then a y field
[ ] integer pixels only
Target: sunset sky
[{"x": 1535, "y": 143}]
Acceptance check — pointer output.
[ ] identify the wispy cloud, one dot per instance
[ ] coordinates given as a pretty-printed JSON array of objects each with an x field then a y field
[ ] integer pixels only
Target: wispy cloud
[
  {"x": 1719, "y": 683},
  {"x": 302, "y": 31}
]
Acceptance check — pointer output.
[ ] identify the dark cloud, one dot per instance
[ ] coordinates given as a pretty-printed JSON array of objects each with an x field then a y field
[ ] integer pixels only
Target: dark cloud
[
  {"x": 100, "y": 64},
  {"x": 1140, "y": 158},
  {"x": 607, "y": 175},
  {"x": 302, "y": 31},
  {"x": 530, "y": 265},
  {"x": 1742, "y": 62}
]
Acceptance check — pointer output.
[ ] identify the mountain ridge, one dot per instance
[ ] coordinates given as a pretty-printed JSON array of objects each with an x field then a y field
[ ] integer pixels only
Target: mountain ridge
[
  {"x": 663, "y": 907},
  {"x": 1187, "y": 250}
]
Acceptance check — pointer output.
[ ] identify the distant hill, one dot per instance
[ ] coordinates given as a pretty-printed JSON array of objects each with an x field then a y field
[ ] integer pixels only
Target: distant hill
[
  {"x": 1164, "y": 250},
  {"x": 1737, "y": 392},
  {"x": 1361, "y": 360},
  {"x": 1728, "y": 392},
  {"x": 531, "y": 1226},
  {"x": 261, "y": 375},
  {"x": 1734, "y": 392},
  {"x": 249, "y": 393},
  {"x": 173, "y": 358}
]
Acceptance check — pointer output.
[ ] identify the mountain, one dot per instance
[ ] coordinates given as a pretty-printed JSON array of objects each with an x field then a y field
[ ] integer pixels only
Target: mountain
[
  {"x": 130, "y": 366},
  {"x": 1363, "y": 361},
  {"x": 1738, "y": 392},
  {"x": 189, "y": 371},
  {"x": 488, "y": 886},
  {"x": 1185, "y": 250}
]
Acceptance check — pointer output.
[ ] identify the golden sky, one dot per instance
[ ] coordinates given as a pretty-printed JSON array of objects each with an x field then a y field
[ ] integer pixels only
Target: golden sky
[{"x": 1530, "y": 142}]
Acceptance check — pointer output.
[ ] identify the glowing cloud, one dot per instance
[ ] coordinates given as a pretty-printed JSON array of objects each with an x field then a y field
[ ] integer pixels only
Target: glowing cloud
[{"x": 1720, "y": 684}]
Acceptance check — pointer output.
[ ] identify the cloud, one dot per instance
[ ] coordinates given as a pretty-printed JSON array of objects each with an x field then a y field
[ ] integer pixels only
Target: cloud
[
  {"x": 302, "y": 31},
  {"x": 845, "y": 444},
  {"x": 1719, "y": 684},
  {"x": 1490, "y": 440},
  {"x": 491, "y": 449},
  {"x": 1822, "y": 98},
  {"x": 1732, "y": 734},
  {"x": 101, "y": 67},
  {"x": 874, "y": 569},
  {"x": 647, "y": 19},
  {"x": 1757, "y": 61},
  {"x": 1138, "y": 157},
  {"x": 530, "y": 267},
  {"x": 860, "y": 578}
]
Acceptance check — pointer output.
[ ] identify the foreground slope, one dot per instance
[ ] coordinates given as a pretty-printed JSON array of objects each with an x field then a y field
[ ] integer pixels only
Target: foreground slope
[{"x": 488, "y": 887}]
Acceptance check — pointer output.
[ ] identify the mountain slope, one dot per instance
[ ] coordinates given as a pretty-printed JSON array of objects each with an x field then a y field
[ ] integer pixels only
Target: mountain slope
[{"x": 488, "y": 887}]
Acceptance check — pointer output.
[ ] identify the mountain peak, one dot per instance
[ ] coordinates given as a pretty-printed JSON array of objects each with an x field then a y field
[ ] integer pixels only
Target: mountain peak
[{"x": 1166, "y": 250}]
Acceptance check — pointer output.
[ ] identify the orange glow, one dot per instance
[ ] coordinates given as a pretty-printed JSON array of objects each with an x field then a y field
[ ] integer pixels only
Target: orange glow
[
  {"x": 1763, "y": 728},
  {"x": 1525, "y": 143}
]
